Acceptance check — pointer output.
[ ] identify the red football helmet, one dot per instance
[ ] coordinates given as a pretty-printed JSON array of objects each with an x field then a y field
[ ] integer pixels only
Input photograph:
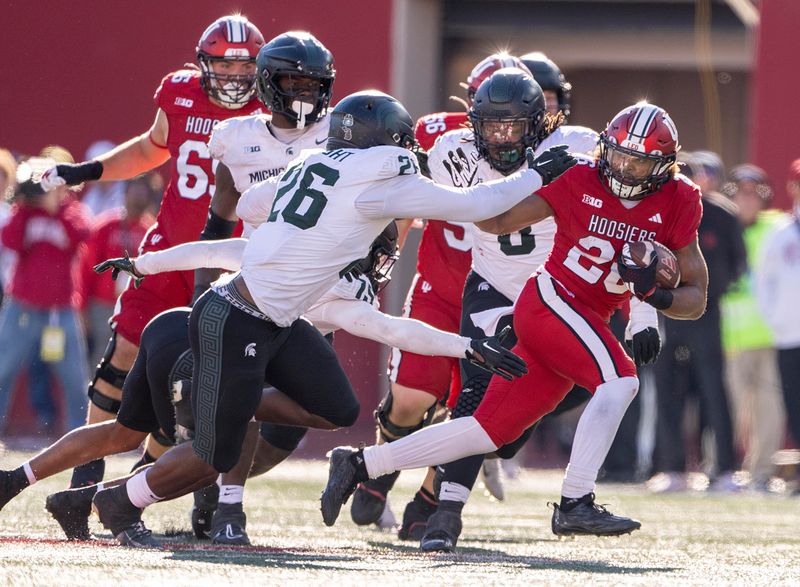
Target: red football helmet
[
  {"x": 486, "y": 68},
  {"x": 230, "y": 38},
  {"x": 637, "y": 151}
]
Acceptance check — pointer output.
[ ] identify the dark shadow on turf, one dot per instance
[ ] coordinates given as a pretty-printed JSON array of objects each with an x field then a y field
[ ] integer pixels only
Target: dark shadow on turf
[
  {"x": 264, "y": 557},
  {"x": 473, "y": 554}
]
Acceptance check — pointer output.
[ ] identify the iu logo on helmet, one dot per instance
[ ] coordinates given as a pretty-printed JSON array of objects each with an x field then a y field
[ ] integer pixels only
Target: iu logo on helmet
[{"x": 250, "y": 350}]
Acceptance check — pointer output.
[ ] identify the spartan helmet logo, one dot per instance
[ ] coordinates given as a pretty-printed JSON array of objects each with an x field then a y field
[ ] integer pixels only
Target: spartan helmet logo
[
  {"x": 250, "y": 350},
  {"x": 347, "y": 127}
]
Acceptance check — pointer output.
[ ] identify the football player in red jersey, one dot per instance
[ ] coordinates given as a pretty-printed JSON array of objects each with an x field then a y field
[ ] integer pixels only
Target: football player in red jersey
[
  {"x": 418, "y": 382},
  {"x": 190, "y": 102},
  {"x": 630, "y": 192}
]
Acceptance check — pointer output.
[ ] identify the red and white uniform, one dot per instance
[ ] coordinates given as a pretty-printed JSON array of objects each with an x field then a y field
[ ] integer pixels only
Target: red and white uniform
[
  {"x": 561, "y": 317},
  {"x": 443, "y": 262},
  {"x": 191, "y": 117}
]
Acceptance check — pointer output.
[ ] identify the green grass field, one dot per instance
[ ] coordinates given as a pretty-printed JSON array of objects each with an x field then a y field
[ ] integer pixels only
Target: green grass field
[{"x": 696, "y": 539}]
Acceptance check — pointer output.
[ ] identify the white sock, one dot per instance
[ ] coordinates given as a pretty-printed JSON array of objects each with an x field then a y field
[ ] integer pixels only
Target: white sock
[
  {"x": 139, "y": 491},
  {"x": 26, "y": 466},
  {"x": 450, "y": 491},
  {"x": 596, "y": 430},
  {"x": 231, "y": 493},
  {"x": 430, "y": 446}
]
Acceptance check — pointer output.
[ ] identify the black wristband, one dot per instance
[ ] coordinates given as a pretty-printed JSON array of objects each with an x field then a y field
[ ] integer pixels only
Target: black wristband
[
  {"x": 217, "y": 227},
  {"x": 660, "y": 299},
  {"x": 77, "y": 174}
]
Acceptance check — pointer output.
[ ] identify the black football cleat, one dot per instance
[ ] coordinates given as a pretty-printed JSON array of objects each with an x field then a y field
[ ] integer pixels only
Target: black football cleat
[
  {"x": 345, "y": 472},
  {"x": 205, "y": 503},
  {"x": 10, "y": 487},
  {"x": 589, "y": 518},
  {"x": 369, "y": 499},
  {"x": 441, "y": 535},
  {"x": 124, "y": 519},
  {"x": 228, "y": 525},
  {"x": 415, "y": 520},
  {"x": 71, "y": 508}
]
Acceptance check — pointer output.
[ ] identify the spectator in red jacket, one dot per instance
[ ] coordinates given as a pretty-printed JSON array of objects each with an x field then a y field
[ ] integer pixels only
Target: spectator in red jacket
[
  {"x": 114, "y": 233},
  {"x": 45, "y": 230}
]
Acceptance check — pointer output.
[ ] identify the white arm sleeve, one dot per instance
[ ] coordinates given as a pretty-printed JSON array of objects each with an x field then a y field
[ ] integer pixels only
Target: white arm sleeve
[
  {"x": 223, "y": 254},
  {"x": 765, "y": 283},
  {"x": 364, "y": 320},
  {"x": 255, "y": 204},
  {"x": 414, "y": 196}
]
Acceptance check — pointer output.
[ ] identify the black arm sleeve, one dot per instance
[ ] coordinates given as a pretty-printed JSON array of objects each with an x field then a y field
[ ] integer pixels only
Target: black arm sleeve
[{"x": 217, "y": 228}]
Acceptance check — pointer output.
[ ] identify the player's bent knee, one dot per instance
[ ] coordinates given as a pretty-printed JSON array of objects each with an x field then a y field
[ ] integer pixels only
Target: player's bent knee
[
  {"x": 386, "y": 417},
  {"x": 122, "y": 438},
  {"x": 346, "y": 417},
  {"x": 625, "y": 388}
]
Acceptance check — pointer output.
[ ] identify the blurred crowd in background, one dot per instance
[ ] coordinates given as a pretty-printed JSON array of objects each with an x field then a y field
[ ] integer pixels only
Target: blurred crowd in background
[{"x": 724, "y": 394}]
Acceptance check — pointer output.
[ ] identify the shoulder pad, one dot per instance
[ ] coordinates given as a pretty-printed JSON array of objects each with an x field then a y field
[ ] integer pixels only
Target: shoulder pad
[
  {"x": 226, "y": 131},
  {"x": 174, "y": 83}
]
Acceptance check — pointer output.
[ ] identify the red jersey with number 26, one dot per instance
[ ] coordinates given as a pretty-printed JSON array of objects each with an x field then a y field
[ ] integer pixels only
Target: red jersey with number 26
[
  {"x": 444, "y": 256},
  {"x": 192, "y": 117},
  {"x": 593, "y": 225}
]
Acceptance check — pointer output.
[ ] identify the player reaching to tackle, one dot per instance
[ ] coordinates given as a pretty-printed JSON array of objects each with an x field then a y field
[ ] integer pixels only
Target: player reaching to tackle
[
  {"x": 328, "y": 207},
  {"x": 630, "y": 192}
]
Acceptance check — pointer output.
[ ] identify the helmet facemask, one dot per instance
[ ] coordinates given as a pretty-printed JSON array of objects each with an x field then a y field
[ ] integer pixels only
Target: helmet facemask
[
  {"x": 230, "y": 90},
  {"x": 502, "y": 141},
  {"x": 632, "y": 175},
  {"x": 287, "y": 93}
]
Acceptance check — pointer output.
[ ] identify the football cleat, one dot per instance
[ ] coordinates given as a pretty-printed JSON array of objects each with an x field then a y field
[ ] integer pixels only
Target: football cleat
[
  {"x": 9, "y": 487},
  {"x": 441, "y": 535},
  {"x": 415, "y": 520},
  {"x": 138, "y": 536},
  {"x": 344, "y": 475},
  {"x": 124, "y": 519},
  {"x": 71, "y": 508},
  {"x": 590, "y": 518},
  {"x": 228, "y": 525},
  {"x": 205, "y": 502},
  {"x": 369, "y": 499}
]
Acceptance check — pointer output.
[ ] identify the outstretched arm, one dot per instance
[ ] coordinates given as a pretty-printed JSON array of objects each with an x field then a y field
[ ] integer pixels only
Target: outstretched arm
[{"x": 529, "y": 211}]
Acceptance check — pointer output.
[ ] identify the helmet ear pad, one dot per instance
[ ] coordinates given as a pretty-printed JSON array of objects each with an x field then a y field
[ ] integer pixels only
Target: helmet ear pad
[{"x": 509, "y": 98}]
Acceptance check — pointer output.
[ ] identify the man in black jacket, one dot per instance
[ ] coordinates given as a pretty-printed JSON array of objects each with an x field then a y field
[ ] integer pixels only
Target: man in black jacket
[{"x": 691, "y": 359}]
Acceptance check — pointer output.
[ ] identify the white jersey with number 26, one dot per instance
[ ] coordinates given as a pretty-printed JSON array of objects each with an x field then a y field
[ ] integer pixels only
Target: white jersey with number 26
[{"x": 328, "y": 207}]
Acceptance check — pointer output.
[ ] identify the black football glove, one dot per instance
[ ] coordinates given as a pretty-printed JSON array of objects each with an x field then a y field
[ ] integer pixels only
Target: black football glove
[
  {"x": 645, "y": 346},
  {"x": 422, "y": 159},
  {"x": 552, "y": 163},
  {"x": 71, "y": 174},
  {"x": 490, "y": 354},
  {"x": 120, "y": 265},
  {"x": 640, "y": 280}
]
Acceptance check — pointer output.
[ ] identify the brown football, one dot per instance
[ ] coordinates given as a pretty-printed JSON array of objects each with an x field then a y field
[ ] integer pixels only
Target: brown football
[{"x": 640, "y": 253}]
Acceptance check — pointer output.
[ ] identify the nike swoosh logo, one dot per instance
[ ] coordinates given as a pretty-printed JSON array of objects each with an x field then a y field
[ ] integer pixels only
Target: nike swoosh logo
[
  {"x": 487, "y": 347},
  {"x": 322, "y": 141}
]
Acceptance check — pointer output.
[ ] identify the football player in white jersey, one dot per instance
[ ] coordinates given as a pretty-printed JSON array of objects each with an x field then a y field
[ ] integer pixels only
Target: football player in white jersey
[
  {"x": 294, "y": 79},
  {"x": 328, "y": 208},
  {"x": 508, "y": 114}
]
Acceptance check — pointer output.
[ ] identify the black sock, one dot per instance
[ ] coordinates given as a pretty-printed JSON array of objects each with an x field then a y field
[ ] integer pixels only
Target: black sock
[
  {"x": 570, "y": 503},
  {"x": 146, "y": 459},
  {"x": 384, "y": 483},
  {"x": 357, "y": 458},
  {"x": 19, "y": 480},
  {"x": 446, "y": 505},
  {"x": 90, "y": 473}
]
